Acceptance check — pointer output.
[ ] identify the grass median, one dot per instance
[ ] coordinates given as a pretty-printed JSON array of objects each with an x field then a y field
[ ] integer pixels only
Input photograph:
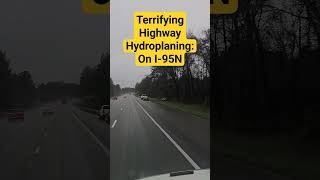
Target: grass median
[
  {"x": 198, "y": 110},
  {"x": 272, "y": 152}
]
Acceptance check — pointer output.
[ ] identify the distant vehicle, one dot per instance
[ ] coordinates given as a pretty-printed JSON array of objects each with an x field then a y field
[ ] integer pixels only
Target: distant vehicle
[
  {"x": 185, "y": 175},
  {"x": 124, "y": 96},
  {"x": 104, "y": 113},
  {"x": 64, "y": 101},
  {"x": 163, "y": 99},
  {"x": 48, "y": 110},
  {"x": 114, "y": 98},
  {"x": 15, "y": 115},
  {"x": 144, "y": 97}
]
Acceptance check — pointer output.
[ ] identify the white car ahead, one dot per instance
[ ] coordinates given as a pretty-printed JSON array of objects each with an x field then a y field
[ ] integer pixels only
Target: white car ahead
[{"x": 144, "y": 97}]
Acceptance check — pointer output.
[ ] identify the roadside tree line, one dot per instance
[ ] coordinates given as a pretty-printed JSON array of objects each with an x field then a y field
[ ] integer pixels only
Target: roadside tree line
[
  {"x": 94, "y": 82},
  {"x": 16, "y": 89},
  {"x": 51, "y": 91},
  {"x": 115, "y": 89},
  {"x": 189, "y": 83},
  {"x": 265, "y": 66}
]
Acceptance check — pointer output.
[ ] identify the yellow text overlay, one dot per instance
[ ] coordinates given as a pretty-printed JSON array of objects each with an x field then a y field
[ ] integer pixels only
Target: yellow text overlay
[{"x": 160, "y": 39}]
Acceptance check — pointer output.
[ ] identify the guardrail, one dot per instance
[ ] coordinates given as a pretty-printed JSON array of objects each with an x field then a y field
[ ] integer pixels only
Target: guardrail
[{"x": 89, "y": 110}]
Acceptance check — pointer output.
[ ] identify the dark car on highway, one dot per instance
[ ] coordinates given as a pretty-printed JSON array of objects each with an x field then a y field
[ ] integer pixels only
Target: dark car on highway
[
  {"x": 47, "y": 110},
  {"x": 64, "y": 101},
  {"x": 15, "y": 114},
  {"x": 104, "y": 113}
]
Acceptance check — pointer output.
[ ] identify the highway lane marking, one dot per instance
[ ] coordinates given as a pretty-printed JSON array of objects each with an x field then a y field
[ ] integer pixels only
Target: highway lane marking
[
  {"x": 114, "y": 123},
  {"x": 189, "y": 159},
  {"x": 45, "y": 134},
  {"x": 36, "y": 151},
  {"x": 94, "y": 137}
]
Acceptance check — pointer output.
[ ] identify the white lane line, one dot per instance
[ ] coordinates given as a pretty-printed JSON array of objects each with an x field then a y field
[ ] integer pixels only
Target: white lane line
[
  {"x": 91, "y": 134},
  {"x": 191, "y": 161},
  {"x": 36, "y": 151},
  {"x": 114, "y": 123},
  {"x": 44, "y": 132}
]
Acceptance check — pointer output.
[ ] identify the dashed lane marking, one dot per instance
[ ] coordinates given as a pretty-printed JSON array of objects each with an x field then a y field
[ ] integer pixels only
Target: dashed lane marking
[
  {"x": 189, "y": 159},
  {"x": 114, "y": 123}
]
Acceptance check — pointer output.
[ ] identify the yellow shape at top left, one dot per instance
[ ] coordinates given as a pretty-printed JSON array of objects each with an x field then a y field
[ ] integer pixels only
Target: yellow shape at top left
[{"x": 96, "y": 6}]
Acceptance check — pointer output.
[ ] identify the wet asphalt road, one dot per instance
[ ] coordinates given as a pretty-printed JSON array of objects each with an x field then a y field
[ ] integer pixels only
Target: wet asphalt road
[
  {"x": 149, "y": 139},
  {"x": 69, "y": 144}
]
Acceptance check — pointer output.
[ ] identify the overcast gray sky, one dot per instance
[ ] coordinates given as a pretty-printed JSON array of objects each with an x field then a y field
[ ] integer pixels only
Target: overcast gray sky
[
  {"x": 53, "y": 40},
  {"x": 123, "y": 69}
]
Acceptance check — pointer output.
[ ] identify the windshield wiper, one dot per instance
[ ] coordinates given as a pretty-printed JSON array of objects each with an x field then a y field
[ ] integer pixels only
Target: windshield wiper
[{"x": 180, "y": 173}]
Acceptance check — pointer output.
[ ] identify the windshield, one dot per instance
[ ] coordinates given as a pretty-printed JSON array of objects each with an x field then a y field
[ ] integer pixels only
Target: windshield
[
  {"x": 70, "y": 99},
  {"x": 150, "y": 136}
]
